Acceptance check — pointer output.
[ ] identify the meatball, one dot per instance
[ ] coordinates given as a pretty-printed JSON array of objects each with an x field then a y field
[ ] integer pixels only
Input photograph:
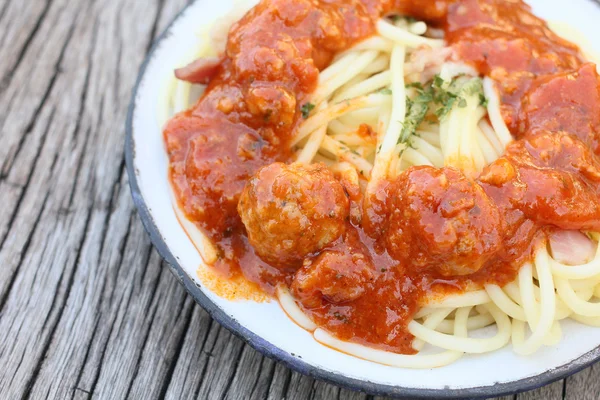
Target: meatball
[
  {"x": 553, "y": 178},
  {"x": 338, "y": 275},
  {"x": 291, "y": 211},
  {"x": 440, "y": 219}
]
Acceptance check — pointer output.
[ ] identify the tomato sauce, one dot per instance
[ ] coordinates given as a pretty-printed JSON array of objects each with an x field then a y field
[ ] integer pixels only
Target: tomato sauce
[{"x": 548, "y": 179}]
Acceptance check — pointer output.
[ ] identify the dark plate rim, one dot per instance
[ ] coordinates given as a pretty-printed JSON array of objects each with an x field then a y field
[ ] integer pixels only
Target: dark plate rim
[{"x": 289, "y": 360}]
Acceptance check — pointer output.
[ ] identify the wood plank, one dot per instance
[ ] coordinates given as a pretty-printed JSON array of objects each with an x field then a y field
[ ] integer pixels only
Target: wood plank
[
  {"x": 585, "y": 385},
  {"x": 71, "y": 197},
  {"x": 553, "y": 391},
  {"x": 252, "y": 377},
  {"x": 16, "y": 35}
]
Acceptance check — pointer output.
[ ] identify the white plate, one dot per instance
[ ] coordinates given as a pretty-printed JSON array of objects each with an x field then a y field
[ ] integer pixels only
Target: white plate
[{"x": 264, "y": 325}]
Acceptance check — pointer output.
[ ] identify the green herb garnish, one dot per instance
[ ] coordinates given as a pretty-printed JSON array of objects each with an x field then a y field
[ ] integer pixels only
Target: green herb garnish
[
  {"x": 439, "y": 96},
  {"x": 416, "y": 110},
  {"x": 415, "y": 114},
  {"x": 417, "y": 85},
  {"x": 455, "y": 93},
  {"x": 306, "y": 109}
]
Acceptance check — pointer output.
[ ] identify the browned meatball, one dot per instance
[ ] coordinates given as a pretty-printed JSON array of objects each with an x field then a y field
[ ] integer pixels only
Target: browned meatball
[
  {"x": 552, "y": 178},
  {"x": 441, "y": 219},
  {"x": 291, "y": 211},
  {"x": 338, "y": 275}
]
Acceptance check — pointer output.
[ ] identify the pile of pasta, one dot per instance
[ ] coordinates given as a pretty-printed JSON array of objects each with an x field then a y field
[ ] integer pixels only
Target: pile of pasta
[{"x": 397, "y": 100}]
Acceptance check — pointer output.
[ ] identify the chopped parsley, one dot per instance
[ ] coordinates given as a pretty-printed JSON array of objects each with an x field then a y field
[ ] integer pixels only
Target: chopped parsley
[
  {"x": 447, "y": 96},
  {"x": 483, "y": 100},
  {"x": 439, "y": 96},
  {"x": 340, "y": 317},
  {"x": 416, "y": 110},
  {"x": 386, "y": 91},
  {"x": 306, "y": 109},
  {"x": 438, "y": 81},
  {"x": 417, "y": 85}
]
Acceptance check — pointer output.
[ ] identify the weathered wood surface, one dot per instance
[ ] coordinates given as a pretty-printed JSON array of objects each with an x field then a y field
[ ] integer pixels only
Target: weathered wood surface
[{"x": 87, "y": 308}]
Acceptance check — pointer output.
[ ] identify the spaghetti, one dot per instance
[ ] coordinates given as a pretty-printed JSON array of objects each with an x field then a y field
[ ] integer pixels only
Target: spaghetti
[{"x": 396, "y": 101}]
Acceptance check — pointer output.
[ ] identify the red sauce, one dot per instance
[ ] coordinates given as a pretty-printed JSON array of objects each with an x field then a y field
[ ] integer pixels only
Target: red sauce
[{"x": 426, "y": 233}]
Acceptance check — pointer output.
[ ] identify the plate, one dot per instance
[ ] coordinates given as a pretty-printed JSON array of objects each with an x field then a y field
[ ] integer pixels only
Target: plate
[{"x": 264, "y": 325}]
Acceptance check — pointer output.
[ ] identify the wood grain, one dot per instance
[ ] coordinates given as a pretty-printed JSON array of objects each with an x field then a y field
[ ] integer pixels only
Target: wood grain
[{"x": 87, "y": 307}]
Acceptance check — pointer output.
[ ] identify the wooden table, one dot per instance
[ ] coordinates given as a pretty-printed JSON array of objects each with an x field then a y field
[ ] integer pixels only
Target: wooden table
[{"x": 87, "y": 307}]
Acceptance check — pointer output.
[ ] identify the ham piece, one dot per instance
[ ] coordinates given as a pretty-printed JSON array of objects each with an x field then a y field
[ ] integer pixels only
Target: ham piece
[
  {"x": 572, "y": 247},
  {"x": 200, "y": 71}
]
